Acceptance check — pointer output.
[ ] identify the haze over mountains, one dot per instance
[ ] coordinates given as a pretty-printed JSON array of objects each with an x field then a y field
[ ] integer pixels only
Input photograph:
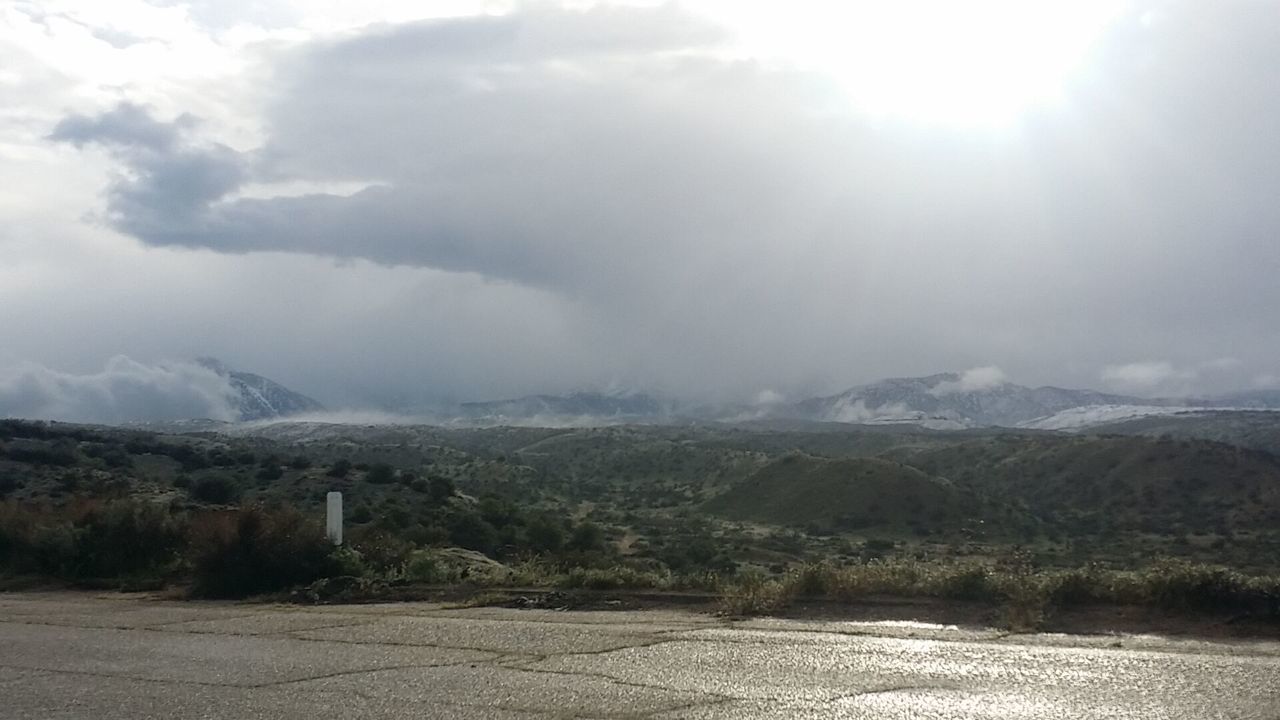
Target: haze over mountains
[{"x": 977, "y": 398}]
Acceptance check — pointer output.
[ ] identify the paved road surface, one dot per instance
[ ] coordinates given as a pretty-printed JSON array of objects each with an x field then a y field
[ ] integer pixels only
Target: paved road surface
[{"x": 113, "y": 657}]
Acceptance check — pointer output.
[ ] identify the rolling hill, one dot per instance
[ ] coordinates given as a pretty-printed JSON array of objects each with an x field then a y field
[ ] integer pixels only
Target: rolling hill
[
  {"x": 1112, "y": 483},
  {"x": 851, "y": 493}
]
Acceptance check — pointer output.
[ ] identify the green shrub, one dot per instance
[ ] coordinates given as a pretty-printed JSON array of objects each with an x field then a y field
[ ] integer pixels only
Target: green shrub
[
  {"x": 966, "y": 583},
  {"x": 381, "y": 474},
  {"x": 127, "y": 538},
  {"x": 1185, "y": 586},
  {"x": 424, "y": 567},
  {"x": 250, "y": 552},
  {"x": 813, "y": 580},
  {"x": 754, "y": 595},
  {"x": 216, "y": 490}
]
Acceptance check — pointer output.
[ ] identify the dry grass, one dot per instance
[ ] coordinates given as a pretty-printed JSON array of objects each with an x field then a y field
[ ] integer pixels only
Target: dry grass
[{"x": 1027, "y": 596}]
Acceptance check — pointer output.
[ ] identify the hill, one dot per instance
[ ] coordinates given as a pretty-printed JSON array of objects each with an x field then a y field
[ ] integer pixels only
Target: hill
[
  {"x": 1112, "y": 483},
  {"x": 848, "y": 493},
  {"x": 1257, "y": 429},
  {"x": 950, "y": 401}
]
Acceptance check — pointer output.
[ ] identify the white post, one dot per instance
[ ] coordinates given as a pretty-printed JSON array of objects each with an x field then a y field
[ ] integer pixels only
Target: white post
[{"x": 333, "y": 523}]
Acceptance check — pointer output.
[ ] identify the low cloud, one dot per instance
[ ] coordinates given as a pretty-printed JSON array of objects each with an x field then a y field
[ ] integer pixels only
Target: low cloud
[
  {"x": 1145, "y": 376},
  {"x": 1267, "y": 381},
  {"x": 124, "y": 391},
  {"x": 973, "y": 380},
  {"x": 770, "y": 397}
]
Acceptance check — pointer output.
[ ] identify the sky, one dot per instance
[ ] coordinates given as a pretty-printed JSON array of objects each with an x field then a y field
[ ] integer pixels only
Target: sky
[{"x": 391, "y": 204}]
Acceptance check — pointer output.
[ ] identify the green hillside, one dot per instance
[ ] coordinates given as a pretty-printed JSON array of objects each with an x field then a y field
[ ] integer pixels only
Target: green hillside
[
  {"x": 850, "y": 493},
  {"x": 1119, "y": 483},
  {"x": 1257, "y": 429}
]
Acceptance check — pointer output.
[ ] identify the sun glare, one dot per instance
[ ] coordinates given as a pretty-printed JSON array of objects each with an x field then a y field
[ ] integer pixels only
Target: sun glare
[{"x": 936, "y": 61}]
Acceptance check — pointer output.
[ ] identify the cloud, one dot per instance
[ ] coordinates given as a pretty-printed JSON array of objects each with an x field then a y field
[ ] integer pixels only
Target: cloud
[
  {"x": 558, "y": 149},
  {"x": 767, "y": 398},
  {"x": 124, "y": 391},
  {"x": 551, "y": 199},
  {"x": 127, "y": 125},
  {"x": 1266, "y": 381},
  {"x": 974, "y": 380},
  {"x": 1145, "y": 375}
]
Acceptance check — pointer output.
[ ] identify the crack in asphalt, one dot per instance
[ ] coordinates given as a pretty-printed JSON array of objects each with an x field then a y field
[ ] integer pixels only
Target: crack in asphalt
[{"x": 166, "y": 628}]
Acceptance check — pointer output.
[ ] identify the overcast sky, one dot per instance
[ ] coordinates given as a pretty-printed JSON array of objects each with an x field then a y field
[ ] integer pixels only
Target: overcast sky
[{"x": 415, "y": 201}]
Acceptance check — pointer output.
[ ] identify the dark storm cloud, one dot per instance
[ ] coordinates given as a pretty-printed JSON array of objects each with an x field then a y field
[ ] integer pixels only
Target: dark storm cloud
[
  {"x": 728, "y": 224},
  {"x": 127, "y": 125},
  {"x": 167, "y": 193}
]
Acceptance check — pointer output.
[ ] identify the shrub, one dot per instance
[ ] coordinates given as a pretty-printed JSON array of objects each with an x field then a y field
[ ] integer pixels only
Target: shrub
[
  {"x": 250, "y": 552},
  {"x": 380, "y": 551},
  {"x": 754, "y": 595},
  {"x": 127, "y": 538},
  {"x": 381, "y": 474},
  {"x": 439, "y": 489},
  {"x": 90, "y": 540},
  {"x": 966, "y": 583},
  {"x": 587, "y": 537},
  {"x": 545, "y": 535},
  {"x": 473, "y": 532},
  {"x": 423, "y": 567},
  {"x": 613, "y": 578},
  {"x": 813, "y": 580},
  {"x": 1184, "y": 586},
  {"x": 217, "y": 490},
  {"x": 1083, "y": 586}
]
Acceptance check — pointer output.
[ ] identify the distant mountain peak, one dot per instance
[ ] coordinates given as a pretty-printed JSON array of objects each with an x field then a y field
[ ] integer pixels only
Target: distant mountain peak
[{"x": 260, "y": 398}]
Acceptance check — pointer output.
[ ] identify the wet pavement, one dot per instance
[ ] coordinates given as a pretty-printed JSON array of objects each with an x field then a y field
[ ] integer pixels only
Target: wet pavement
[{"x": 110, "y": 656}]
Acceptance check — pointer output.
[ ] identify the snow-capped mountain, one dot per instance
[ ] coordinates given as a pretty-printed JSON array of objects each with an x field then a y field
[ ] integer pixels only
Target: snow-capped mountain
[
  {"x": 952, "y": 401},
  {"x": 259, "y": 398}
]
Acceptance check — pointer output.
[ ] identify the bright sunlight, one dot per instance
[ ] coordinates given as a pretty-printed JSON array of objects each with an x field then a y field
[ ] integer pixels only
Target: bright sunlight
[{"x": 982, "y": 62}]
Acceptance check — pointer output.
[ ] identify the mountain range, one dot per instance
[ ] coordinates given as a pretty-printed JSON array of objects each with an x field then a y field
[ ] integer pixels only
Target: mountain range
[{"x": 945, "y": 401}]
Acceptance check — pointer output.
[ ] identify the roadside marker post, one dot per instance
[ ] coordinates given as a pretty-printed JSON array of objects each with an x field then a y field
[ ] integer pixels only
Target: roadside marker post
[{"x": 333, "y": 520}]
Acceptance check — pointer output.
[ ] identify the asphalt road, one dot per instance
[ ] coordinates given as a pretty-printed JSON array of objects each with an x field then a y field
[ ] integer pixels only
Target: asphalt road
[{"x": 108, "y": 657}]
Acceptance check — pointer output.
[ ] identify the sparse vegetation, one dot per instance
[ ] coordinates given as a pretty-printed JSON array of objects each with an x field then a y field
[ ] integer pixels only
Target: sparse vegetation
[{"x": 766, "y": 519}]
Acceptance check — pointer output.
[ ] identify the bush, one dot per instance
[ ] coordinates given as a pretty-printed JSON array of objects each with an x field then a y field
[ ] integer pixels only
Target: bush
[
  {"x": 381, "y": 474},
  {"x": 473, "y": 532},
  {"x": 614, "y": 578},
  {"x": 587, "y": 537},
  {"x": 424, "y": 567},
  {"x": 250, "y": 552},
  {"x": 1184, "y": 586},
  {"x": 439, "y": 489},
  {"x": 91, "y": 540},
  {"x": 269, "y": 472},
  {"x": 215, "y": 490},
  {"x": 127, "y": 538},
  {"x": 545, "y": 535},
  {"x": 755, "y": 595},
  {"x": 966, "y": 583}
]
